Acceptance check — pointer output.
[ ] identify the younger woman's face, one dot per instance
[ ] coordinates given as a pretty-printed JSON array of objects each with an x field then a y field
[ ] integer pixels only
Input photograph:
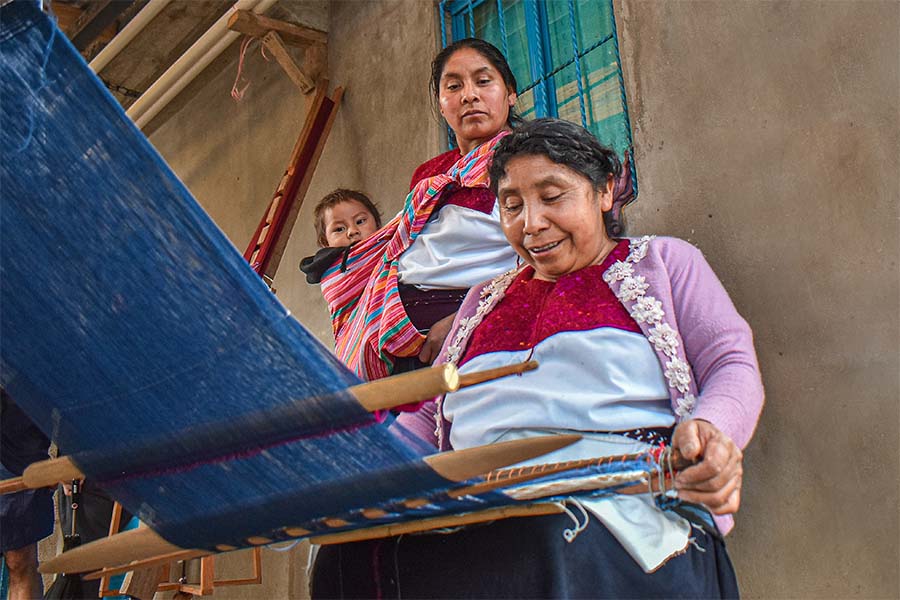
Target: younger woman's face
[
  {"x": 553, "y": 216},
  {"x": 474, "y": 98},
  {"x": 348, "y": 222}
]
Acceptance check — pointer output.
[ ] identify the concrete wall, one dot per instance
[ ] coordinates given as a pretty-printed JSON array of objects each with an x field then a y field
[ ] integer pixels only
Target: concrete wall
[{"x": 766, "y": 133}]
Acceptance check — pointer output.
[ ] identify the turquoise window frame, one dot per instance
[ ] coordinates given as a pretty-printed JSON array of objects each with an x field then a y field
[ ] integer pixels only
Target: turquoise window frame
[{"x": 580, "y": 77}]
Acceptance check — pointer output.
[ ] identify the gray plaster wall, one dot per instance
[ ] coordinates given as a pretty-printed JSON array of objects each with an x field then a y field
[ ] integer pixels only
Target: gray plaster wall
[{"x": 766, "y": 133}]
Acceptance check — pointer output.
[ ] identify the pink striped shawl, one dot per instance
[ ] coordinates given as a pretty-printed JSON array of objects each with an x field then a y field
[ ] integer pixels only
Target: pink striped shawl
[{"x": 369, "y": 322}]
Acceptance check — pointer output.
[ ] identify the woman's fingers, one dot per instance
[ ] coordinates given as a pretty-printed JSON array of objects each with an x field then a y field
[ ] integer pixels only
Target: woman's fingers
[
  {"x": 715, "y": 480},
  {"x": 724, "y": 500},
  {"x": 435, "y": 339}
]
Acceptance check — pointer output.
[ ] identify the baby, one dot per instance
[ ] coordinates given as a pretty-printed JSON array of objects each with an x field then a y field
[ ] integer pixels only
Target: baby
[
  {"x": 345, "y": 217},
  {"x": 342, "y": 218}
]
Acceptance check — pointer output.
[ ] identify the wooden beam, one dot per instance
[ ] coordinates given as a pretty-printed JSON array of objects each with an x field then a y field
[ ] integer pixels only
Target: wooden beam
[
  {"x": 244, "y": 21},
  {"x": 97, "y": 16},
  {"x": 273, "y": 43}
]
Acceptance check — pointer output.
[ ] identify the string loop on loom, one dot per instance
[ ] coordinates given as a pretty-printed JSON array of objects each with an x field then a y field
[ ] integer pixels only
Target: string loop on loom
[{"x": 570, "y": 534}]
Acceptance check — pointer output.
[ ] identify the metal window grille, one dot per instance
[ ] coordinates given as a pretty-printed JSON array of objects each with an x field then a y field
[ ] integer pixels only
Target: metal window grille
[{"x": 564, "y": 54}]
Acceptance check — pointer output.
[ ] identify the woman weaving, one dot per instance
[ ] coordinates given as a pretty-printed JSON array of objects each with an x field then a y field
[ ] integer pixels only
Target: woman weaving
[{"x": 635, "y": 338}]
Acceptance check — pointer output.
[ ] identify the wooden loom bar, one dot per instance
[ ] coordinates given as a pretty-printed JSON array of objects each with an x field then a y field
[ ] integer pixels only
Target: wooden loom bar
[
  {"x": 528, "y": 510},
  {"x": 145, "y": 563},
  {"x": 249, "y": 23},
  {"x": 50, "y": 472},
  {"x": 481, "y": 376},
  {"x": 414, "y": 386},
  {"x": 12, "y": 485},
  {"x": 135, "y": 544}
]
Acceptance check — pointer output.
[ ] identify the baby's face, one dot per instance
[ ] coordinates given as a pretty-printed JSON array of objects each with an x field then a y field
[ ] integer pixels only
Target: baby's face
[{"x": 348, "y": 222}]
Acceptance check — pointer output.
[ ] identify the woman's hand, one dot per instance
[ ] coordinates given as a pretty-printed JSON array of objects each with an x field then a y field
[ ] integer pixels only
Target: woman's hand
[
  {"x": 435, "y": 339},
  {"x": 715, "y": 481}
]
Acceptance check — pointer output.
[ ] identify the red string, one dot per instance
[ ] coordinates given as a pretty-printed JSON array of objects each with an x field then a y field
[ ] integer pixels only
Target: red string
[{"x": 236, "y": 92}]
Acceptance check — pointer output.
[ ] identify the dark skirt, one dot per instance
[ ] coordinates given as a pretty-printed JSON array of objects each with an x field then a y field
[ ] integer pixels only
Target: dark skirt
[
  {"x": 27, "y": 516},
  {"x": 517, "y": 558}
]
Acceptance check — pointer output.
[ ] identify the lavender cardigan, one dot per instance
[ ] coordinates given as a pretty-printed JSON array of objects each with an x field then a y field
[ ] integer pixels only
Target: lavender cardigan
[{"x": 704, "y": 346}]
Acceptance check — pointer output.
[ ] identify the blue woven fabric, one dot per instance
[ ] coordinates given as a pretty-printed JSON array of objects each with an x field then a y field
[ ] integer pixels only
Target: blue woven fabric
[{"x": 135, "y": 335}]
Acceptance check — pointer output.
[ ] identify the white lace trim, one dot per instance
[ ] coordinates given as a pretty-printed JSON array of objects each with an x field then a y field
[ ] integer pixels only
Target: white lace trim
[
  {"x": 647, "y": 309},
  {"x": 489, "y": 297}
]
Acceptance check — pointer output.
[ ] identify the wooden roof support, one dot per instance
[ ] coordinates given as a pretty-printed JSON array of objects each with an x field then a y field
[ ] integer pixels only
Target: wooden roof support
[
  {"x": 244, "y": 21},
  {"x": 277, "y": 35},
  {"x": 272, "y": 42},
  {"x": 97, "y": 16}
]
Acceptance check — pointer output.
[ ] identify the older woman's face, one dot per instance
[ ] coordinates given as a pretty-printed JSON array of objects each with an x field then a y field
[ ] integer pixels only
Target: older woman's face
[
  {"x": 553, "y": 216},
  {"x": 473, "y": 98}
]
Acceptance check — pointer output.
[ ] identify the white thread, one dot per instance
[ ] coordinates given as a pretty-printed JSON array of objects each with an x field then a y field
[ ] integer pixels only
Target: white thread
[
  {"x": 290, "y": 546},
  {"x": 693, "y": 542},
  {"x": 570, "y": 534}
]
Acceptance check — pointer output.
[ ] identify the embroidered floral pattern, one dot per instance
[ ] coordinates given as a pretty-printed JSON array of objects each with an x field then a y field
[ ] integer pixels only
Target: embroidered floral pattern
[
  {"x": 664, "y": 339},
  {"x": 638, "y": 248},
  {"x": 685, "y": 405},
  {"x": 490, "y": 296},
  {"x": 618, "y": 271},
  {"x": 678, "y": 373},
  {"x": 647, "y": 310},
  {"x": 632, "y": 288}
]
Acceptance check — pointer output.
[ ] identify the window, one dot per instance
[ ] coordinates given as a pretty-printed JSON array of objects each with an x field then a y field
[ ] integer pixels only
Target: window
[{"x": 564, "y": 54}]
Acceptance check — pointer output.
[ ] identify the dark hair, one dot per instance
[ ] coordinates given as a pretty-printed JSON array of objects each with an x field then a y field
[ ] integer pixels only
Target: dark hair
[
  {"x": 336, "y": 197},
  {"x": 493, "y": 56},
  {"x": 565, "y": 144}
]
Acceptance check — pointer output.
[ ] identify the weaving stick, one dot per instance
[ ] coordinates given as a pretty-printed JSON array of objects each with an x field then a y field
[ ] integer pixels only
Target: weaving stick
[
  {"x": 14, "y": 484},
  {"x": 491, "y": 514},
  {"x": 414, "y": 386},
  {"x": 489, "y": 374},
  {"x": 161, "y": 559},
  {"x": 144, "y": 543},
  {"x": 124, "y": 547}
]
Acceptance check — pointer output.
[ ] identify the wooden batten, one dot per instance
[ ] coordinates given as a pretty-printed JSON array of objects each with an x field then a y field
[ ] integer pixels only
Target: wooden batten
[
  {"x": 489, "y": 374},
  {"x": 460, "y": 465},
  {"x": 12, "y": 485},
  {"x": 132, "y": 545},
  {"x": 414, "y": 386},
  {"x": 528, "y": 510},
  {"x": 146, "y": 563},
  {"x": 49, "y": 472},
  {"x": 249, "y": 23}
]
